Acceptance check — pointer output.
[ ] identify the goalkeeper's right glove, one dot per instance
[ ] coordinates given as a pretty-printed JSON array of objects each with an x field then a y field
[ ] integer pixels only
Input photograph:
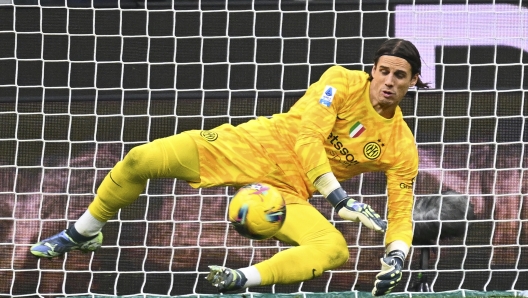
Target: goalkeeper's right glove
[
  {"x": 391, "y": 273},
  {"x": 350, "y": 209}
]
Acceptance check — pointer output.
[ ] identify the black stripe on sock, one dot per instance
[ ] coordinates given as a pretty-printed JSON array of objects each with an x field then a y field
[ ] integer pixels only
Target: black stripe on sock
[{"x": 76, "y": 236}]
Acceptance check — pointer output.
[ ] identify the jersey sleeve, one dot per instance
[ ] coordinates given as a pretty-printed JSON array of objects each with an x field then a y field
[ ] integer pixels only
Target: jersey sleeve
[
  {"x": 400, "y": 180},
  {"x": 319, "y": 107}
]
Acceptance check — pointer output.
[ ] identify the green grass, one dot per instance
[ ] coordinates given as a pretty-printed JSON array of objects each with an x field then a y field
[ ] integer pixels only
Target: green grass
[{"x": 353, "y": 294}]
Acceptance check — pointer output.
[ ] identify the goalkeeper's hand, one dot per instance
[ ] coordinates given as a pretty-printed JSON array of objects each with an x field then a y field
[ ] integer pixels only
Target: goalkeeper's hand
[
  {"x": 350, "y": 209},
  {"x": 357, "y": 211},
  {"x": 391, "y": 273}
]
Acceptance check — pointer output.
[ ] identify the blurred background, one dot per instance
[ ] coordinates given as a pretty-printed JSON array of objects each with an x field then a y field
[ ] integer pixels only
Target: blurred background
[{"x": 82, "y": 82}]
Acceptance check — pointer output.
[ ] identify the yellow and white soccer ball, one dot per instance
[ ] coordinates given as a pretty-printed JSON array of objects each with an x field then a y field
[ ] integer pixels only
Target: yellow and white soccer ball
[{"x": 257, "y": 211}]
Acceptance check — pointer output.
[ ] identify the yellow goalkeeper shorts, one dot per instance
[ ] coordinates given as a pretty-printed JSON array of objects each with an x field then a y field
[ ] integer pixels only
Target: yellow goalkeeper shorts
[{"x": 230, "y": 156}]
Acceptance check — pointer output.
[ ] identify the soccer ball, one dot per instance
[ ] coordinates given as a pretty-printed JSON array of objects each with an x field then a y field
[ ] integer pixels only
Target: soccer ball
[{"x": 257, "y": 211}]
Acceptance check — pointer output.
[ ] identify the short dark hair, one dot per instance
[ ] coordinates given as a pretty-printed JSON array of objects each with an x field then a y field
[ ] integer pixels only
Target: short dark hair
[{"x": 406, "y": 50}]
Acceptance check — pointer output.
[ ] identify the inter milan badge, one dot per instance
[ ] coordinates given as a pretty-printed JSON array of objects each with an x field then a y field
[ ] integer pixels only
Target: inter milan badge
[
  {"x": 210, "y": 136},
  {"x": 372, "y": 150}
]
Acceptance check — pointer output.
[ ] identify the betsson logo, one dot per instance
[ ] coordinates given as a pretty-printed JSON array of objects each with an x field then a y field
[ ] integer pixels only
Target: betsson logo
[{"x": 429, "y": 26}]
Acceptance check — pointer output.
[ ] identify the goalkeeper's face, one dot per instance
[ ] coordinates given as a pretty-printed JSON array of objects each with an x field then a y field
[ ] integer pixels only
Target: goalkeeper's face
[{"x": 391, "y": 79}]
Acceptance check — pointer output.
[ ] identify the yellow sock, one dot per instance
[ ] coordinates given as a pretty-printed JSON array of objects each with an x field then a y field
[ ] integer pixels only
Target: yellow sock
[{"x": 114, "y": 193}]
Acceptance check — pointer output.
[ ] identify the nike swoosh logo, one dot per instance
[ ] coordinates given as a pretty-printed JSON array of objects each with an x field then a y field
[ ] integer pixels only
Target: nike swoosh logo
[
  {"x": 338, "y": 118},
  {"x": 110, "y": 175}
]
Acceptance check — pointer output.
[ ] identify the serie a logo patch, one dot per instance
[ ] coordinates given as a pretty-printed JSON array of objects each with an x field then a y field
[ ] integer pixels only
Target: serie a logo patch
[{"x": 328, "y": 95}]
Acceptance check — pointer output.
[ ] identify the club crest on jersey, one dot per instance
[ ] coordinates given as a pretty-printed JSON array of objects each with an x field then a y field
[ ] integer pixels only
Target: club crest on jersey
[
  {"x": 210, "y": 136},
  {"x": 328, "y": 96},
  {"x": 372, "y": 150}
]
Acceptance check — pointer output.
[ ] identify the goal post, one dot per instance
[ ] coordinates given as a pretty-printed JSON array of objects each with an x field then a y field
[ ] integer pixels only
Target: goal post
[{"x": 83, "y": 82}]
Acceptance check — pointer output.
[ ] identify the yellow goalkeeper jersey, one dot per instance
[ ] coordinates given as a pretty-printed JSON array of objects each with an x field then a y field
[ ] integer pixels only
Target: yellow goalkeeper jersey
[{"x": 333, "y": 127}]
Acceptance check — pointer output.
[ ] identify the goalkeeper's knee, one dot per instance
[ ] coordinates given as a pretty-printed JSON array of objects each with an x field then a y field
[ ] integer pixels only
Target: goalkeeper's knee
[
  {"x": 144, "y": 162},
  {"x": 336, "y": 251}
]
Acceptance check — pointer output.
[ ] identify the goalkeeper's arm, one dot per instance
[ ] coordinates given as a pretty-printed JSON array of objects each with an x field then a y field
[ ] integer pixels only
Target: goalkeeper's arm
[
  {"x": 350, "y": 209},
  {"x": 346, "y": 207}
]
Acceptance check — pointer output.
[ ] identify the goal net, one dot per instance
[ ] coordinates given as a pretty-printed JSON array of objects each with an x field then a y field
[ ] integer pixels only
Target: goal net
[{"x": 82, "y": 82}]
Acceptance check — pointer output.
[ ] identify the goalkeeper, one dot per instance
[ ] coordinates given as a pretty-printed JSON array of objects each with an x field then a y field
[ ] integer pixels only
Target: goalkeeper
[{"x": 347, "y": 123}]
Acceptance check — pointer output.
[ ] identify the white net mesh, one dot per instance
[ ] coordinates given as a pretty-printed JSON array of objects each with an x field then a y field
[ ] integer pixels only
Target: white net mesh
[{"x": 83, "y": 82}]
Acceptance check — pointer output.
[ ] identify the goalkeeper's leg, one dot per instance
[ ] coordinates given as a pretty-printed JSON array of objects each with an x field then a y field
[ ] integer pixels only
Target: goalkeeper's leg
[
  {"x": 320, "y": 247},
  {"x": 172, "y": 157}
]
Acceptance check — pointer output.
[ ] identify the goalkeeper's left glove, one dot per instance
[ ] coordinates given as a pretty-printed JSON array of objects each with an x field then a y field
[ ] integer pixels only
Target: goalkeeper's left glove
[
  {"x": 350, "y": 209},
  {"x": 391, "y": 273}
]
